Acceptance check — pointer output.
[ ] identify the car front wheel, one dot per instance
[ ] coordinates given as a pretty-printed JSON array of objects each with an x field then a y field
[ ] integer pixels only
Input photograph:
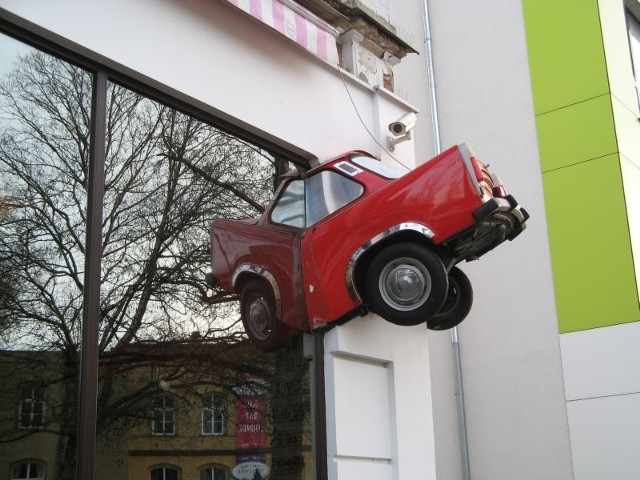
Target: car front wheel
[
  {"x": 457, "y": 305},
  {"x": 258, "y": 315},
  {"x": 406, "y": 284}
]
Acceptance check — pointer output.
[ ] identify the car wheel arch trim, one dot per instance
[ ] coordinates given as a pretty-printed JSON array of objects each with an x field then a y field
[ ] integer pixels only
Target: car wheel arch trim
[
  {"x": 393, "y": 230},
  {"x": 265, "y": 275}
]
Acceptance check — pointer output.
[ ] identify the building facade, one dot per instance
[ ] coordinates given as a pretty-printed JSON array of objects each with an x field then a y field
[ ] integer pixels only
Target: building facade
[
  {"x": 538, "y": 381},
  {"x": 584, "y": 65}
]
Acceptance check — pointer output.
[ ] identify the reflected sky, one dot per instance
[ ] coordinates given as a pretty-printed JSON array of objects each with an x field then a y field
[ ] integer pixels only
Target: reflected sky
[{"x": 10, "y": 49}]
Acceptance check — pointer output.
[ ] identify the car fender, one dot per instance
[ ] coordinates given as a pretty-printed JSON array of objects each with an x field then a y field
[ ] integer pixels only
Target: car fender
[
  {"x": 357, "y": 254},
  {"x": 262, "y": 272}
]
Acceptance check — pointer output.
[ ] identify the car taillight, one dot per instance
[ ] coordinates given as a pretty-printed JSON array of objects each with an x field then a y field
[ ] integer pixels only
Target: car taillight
[
  {"x": 498, "y": 188},
  {"x": 477, "y": 169}
]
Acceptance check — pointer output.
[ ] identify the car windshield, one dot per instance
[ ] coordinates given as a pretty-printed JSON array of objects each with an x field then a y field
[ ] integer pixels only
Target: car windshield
[{"x": 377, "y": 167}]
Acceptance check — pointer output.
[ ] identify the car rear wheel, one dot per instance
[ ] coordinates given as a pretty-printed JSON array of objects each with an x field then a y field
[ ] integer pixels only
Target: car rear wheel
[
  {"x": 457, "y": 305},
  {"x": 257, "y": 309},
  {"x": 406, "y": 284}
]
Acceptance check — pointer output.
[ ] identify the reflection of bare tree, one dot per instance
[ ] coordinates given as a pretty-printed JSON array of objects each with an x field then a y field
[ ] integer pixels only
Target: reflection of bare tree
[{"x": 167, "y": 176}]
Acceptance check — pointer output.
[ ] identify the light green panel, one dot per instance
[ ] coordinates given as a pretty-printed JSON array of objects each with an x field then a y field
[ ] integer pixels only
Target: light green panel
[
  {"x": 590, "y": 246},
  {"x": 577, "y": 133},
  {"x": 566, "y": 53}
]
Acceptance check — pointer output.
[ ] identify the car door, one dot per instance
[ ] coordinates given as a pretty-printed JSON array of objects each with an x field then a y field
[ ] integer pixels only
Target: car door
[
  {"x": 327, "y": 243},
  {"x": 279, "y": 252}
]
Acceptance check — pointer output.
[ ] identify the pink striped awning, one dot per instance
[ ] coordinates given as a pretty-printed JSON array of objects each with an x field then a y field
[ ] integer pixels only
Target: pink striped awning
[{"x": 295, "y": 23}]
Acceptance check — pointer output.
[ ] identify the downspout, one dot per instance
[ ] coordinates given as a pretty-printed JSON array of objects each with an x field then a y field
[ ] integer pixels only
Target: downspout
[{"x": 455, "y": 343}]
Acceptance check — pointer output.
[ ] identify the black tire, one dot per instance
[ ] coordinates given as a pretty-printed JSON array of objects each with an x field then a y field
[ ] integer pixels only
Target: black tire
[
  {"x": 257, "y": 308},
  {"x": 457, "y": 305},
  {"x": 423, "y": 289}
]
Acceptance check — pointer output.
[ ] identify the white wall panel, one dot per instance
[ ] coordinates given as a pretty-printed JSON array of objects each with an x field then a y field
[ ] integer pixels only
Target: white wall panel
[
  {"x": 365, "y": 414},
  {"x": 605, "y": 440},
  {"x": 376, "y": 370},
  {"x": 601, "y": 362},
  {"x": 516, "y": 411}
]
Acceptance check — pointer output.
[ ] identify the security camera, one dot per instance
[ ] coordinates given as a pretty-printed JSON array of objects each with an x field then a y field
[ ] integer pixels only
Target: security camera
[{"x": 404, "y": 124}]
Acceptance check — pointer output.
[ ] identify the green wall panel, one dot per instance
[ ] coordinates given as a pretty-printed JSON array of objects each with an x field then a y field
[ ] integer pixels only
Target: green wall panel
[
  {"x": 590, "y": 246},
  {"x": 577, "y": 133},
  {"x": 566, "y": 53}
]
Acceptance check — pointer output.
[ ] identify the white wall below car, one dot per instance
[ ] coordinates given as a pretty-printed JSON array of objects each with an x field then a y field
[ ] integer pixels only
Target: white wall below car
[{"x": 379, "y": 408}]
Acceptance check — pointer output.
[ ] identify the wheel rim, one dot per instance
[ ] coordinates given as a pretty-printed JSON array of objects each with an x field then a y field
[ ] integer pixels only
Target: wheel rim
[
  {"x": 405, "y": 284},
  {"x": 259, "y": 316}
]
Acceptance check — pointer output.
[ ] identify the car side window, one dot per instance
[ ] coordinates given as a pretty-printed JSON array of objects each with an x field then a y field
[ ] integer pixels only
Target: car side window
[
  {"x": 327, "y": 192},
  {"x": 289, "y": 210}
]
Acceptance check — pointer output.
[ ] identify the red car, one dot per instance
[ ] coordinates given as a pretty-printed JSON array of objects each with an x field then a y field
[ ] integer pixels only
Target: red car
[{"x": 354, "y": 235}]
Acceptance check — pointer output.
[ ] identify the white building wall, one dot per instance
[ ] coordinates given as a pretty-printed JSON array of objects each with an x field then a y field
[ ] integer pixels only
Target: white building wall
[
  {"x": 208, "y": 53},
  {"x": 379, "y": 403},
  {"x": 511, "y": 362},
  {"x": 213, "y": 55},
  {"x": 602, "y": 378}
]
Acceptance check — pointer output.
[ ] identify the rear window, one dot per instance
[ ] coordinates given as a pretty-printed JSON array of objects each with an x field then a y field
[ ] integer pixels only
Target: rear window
[{"x": 377, "y": 167}]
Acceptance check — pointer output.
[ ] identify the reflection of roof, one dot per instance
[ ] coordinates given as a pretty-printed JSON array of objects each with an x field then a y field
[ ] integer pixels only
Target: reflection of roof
[{"x": 222, "y": 354}]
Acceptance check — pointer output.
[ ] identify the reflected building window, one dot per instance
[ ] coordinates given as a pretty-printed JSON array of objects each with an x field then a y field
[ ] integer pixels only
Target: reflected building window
[
  {"x": 165, "y": 473},
  {"x": 212, "y": 415},
  {"x": 32, "y": 406},
  {"x": 28, "y": 470},
  {"x": 164, "y": 415},
  {"x": 213, "y": 473}
]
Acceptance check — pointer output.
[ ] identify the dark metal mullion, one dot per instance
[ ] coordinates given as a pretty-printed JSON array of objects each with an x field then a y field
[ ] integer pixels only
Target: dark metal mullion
[
  {"x": 88, "y": 400},
  {"x": 319, "y": 407}
]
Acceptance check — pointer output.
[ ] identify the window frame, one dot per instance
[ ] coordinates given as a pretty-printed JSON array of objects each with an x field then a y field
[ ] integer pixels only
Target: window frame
[
  {"x": 31, "y": 402},
  {"x": 213, "y": 400},
  {"x": 164, "y": 468},
  {"x": 29, "y": 463},
  {"x": 633, "y": 37},
  {"x": 214, "y": 467},
  {"x": 164, "y": 409}
]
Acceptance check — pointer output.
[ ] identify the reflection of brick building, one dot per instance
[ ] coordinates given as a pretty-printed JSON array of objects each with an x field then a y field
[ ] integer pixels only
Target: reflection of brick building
[
  {"x": 200, "y": 415},
  {"x": 32, "y": 398}
]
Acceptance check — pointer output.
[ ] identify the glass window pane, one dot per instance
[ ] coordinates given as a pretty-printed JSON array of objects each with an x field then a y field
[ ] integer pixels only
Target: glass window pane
[
  {"x": 290, "y": 207},
  {"x": 634, "y": 43},
  {"x": 172, "y": 365},
  {"x": 45, "y": 108},
  {"x": 328, "y": 192}
]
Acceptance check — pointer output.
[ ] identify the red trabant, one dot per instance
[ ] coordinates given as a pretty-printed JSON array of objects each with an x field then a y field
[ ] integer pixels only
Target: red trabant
[{"x": 354, "y": 235}]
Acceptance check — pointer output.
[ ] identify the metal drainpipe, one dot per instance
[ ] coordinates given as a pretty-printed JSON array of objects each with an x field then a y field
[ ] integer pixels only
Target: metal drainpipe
[{"x": 455, "y": 343}]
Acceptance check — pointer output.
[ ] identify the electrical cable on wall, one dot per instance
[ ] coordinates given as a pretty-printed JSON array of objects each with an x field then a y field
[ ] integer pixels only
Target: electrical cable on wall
[{"x": 353, "y": 103}]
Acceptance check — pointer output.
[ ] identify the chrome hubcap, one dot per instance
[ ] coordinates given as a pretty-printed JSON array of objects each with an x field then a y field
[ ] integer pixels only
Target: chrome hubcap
[
  {"x": 259, "y": 316},
  {"x": 405, "y": 284}
]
